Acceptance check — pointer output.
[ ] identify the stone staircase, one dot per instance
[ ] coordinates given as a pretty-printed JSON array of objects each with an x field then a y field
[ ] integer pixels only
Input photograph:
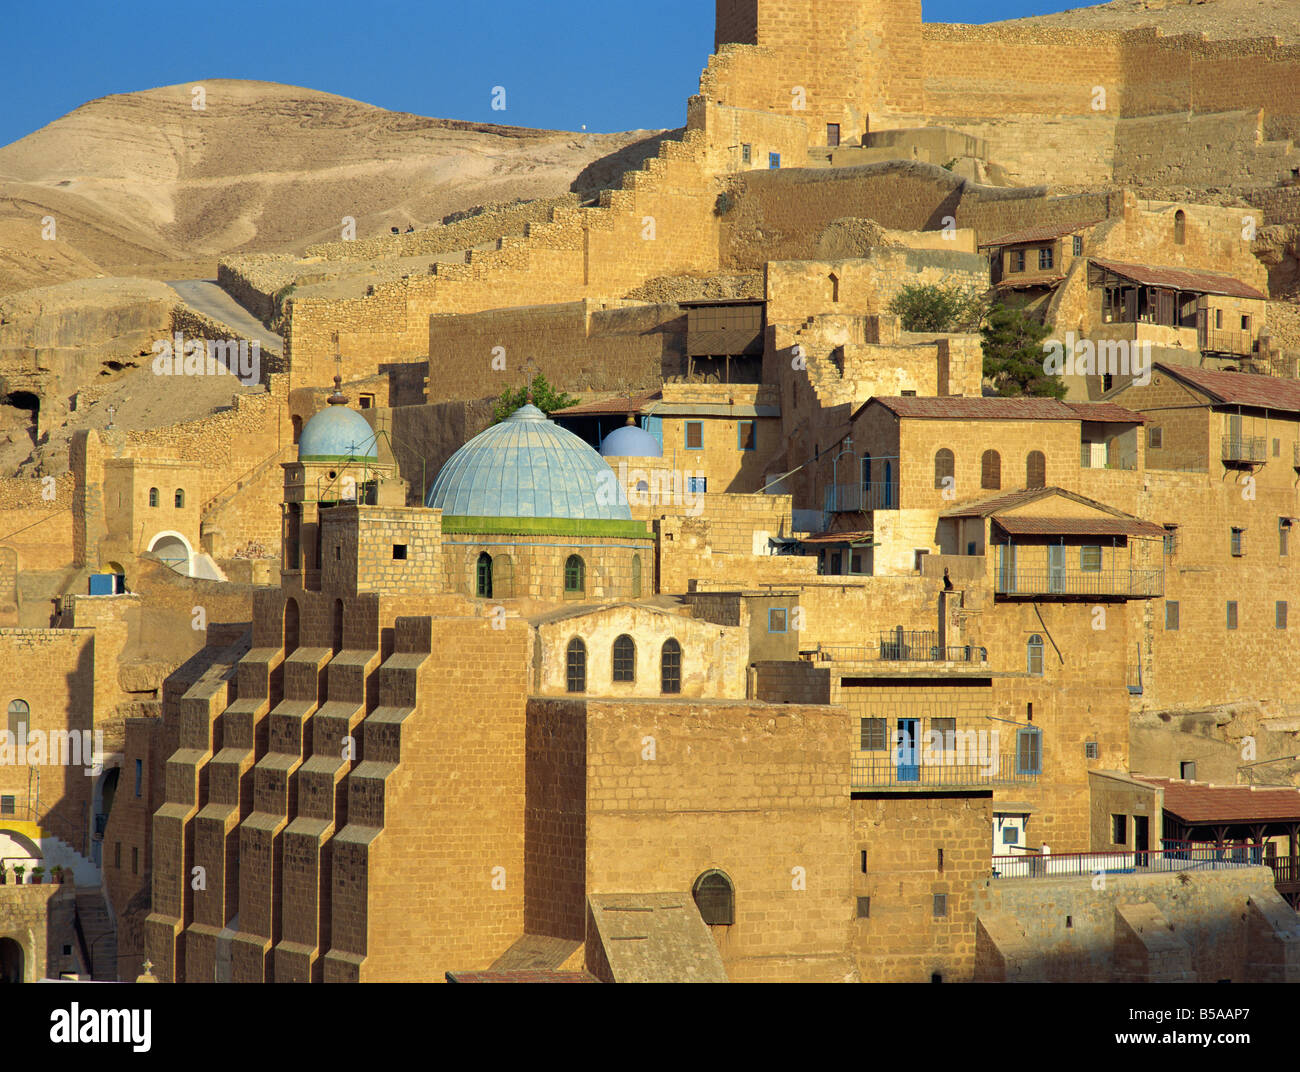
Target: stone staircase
[{"x": 98, "y": 932}]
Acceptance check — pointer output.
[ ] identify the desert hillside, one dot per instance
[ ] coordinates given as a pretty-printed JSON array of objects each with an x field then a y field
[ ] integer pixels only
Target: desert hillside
[
  {"x": 1217, "y": 19},
  {"x": 142, "y": 183}
]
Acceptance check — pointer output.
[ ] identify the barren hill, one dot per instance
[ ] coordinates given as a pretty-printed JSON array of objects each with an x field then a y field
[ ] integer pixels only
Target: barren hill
[
  {"x": 142, "y": 181},
  {"x": 1217, "y": 19}
]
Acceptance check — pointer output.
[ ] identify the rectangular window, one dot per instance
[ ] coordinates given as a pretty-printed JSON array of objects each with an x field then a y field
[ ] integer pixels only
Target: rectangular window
[
  {"x": 746, "y": 439},
  {"x": 1091, "y": 750},
  {"x": 1077, "y": 247},
  {"x": 1171, "y": 539},
  {"x": 1245, "y": 323},
  {"x": 1155, "y": 437},
  {"x": 367, "y": 401},
  {"x": 694, "y": 435},
  {"x": 697, "y": 485},
  {"x": 1011, "y": 835},
  {"x": 399, "y": 552},
  {"x": 776, "y": 620},
  {"x": 1090, "y": 559},
  {"x": 940, "y": 906},
  {"x": 1187, "y": 771},
  {"x": 1017, "y": 260},
  {"x": 943, "y": 734},
  {"x": 872, "y": 734},
  {"x": 139, "y": 776},
  {"x": 1238, "y": 543},
  {"x": 918, "y": 558},
  {"x": 774, "y": 161},
  {"x": 746, "y": 154},
  {"x": 864, "y": 908},
  {"x": 1045, "y": 259},
  {"x": 1029, "y": 752},
  {"x": 1277, "y": 448},
  {"x": 833, "y": 135},
  {"x": 1280, "y": 613},
  {"x": 1218, "y": 318},
  {"x": 7, "y": 805},
  {"x": 1119, "y": 829},
  {"x": 1232, "y": 614},
  {"x": 1171, "y": 615}
]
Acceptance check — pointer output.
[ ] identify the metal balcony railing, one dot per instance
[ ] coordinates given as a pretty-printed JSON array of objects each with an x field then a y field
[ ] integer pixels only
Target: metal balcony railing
[
  {"x": 853, "y": 498},
  {"x": 1175, "y": 856},
  {"x": 920, "y": 769},
  {"x": 915, "y": 647},
  {"x": 1125, "y": 583},
  {"x": 1219, "y": 341},
  {"x": 1248, "y": 450}
]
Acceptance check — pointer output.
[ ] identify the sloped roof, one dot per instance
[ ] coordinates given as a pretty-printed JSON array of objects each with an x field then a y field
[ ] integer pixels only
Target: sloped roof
[
  {"x": 861, "y": 536},
  {"x": 995, "y": 505},
  {"x": 623, "y": 404},
  {"x": 1078, "y": 526},
  {"x": 1181, "y": 279},
  {"x": 1106, "y": 413},
  {"x": 1239, "y": 388},
  {"x": 655, "y": 938},
  {"x": 1198, "y": 803},
  {"x": 1039, "y": 234},
  {"x": 974, "y": 408}
]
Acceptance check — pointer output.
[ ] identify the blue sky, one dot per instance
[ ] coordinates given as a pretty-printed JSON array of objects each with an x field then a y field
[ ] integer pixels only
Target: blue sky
[{"x": 561, "y": 67}]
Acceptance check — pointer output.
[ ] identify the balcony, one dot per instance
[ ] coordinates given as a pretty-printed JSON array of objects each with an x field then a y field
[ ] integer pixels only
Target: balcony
[
  {"x": 900, "y": 645},
  {"x": 1244, "y": 450},
  {"x": 1075, "y": 583},
  {"x": 1175, "y": 856},
  {"x": 858, "y": 498},
  {"x": 922, "y": 769}
]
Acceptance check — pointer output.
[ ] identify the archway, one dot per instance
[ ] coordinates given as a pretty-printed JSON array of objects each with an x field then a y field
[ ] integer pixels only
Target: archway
[
  {"x": 101, "y": 808},
  {"x": 292, "y": 619},
  {"x": 13, "y": 961},
  {"x": 174, "y": 549}
]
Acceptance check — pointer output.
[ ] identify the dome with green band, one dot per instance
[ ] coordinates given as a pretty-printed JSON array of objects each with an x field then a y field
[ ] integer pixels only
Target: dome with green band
[{"x": 337, "y": 433}]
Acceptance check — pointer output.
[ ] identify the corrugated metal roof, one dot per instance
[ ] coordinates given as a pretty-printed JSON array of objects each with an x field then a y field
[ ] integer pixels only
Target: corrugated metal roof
[
  {"x": 1197, "y": 803},
  {"x": 1077, "y": 526},
  {"x": 1181, "y": 279},
  {"x": 1239, "y": 388}
]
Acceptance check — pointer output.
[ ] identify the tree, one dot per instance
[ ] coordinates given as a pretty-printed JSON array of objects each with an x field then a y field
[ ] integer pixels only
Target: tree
[
  {"x": 545, "y": 398},
  {"x": 935, "y": 307},
  {"x": 1014, "y": 358}
]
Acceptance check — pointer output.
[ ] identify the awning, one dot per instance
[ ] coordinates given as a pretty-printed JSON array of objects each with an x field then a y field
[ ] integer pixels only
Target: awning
[
  {"x": 853, "y": 539},
  {"x": 1078, "y": 526}
]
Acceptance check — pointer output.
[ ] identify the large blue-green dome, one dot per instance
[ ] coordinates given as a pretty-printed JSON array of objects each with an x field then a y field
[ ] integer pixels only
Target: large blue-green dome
[
  {"x": 528, "y": 466},
  {"x": 337, "y": 433}
]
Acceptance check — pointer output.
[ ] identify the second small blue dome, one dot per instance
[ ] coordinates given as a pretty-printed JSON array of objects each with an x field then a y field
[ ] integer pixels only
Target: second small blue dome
[
  {"x": 337, "y": 433},
  {"x": 631, "y": 442}
]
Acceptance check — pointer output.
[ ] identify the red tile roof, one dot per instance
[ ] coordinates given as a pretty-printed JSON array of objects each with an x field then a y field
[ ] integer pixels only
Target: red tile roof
[
  {"x": 535, "y": 976},
  {"x": 1106, "y": 413},
  {"x": 1039, "y": 234},
  {"x": 624, "y": 404},
  {"x": 1078, "y": 526},
  {"x": 972, "y": 408},
  {"x": 1198, "y": 803},
  {"x": 1239, "y": 388},
  {"x": 1181, "y": 279}
]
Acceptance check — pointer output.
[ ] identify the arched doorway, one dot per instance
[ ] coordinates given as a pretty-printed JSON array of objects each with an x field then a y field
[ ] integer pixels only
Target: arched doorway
[
  {"x": 101, "y": 807},
  {"x": 173, "y": 549},
  {"x": 12, "y": 961}
]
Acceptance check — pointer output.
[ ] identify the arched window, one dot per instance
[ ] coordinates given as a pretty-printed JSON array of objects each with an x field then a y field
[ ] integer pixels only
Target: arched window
[
  {"x": 291, "y": 624},
  {"x": 297, "y": 429},
  {"x": 180, "y": 498},
  {"x": 624, "y": 659},
  {"x": 575, "y": 666},
  {"x": 1035, "y": 655},
  {"x": 991, "y": 470},
  {"x": 575, "y": 575},
  {"x": 1180, "y": 227},
  {"x": 715, "y": 897},
  {"x": 1036, "y": 470},
  {"x": 153, "y": 496},
  {"x": 338, "y": 626},
  {"x": 670, "y": 666},
  {"x": 835, "y": 287},
  {"x": 484, "y": 582},
  {"x": 20, "y": 714},
  {"x": 636, "y": 576},
  {"x": 945, "y": 468}
]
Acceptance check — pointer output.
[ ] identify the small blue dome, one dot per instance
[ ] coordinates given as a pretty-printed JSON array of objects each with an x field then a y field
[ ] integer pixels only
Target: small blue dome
[
  {"x": 528, "y": 466},
  {"x": 336, "y": 433},
  {"x": 631, "y": 442}
]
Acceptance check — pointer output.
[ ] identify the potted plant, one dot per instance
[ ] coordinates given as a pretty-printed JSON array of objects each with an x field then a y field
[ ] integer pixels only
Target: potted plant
[
  {"x": 19, "y": 871},
  {"x": 56, "y": 874},
  {"x": 38, "y": 875}
]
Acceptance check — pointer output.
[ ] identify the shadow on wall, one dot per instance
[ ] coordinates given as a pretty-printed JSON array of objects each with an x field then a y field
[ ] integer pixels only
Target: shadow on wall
[{"x": 605, "y": 173}]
